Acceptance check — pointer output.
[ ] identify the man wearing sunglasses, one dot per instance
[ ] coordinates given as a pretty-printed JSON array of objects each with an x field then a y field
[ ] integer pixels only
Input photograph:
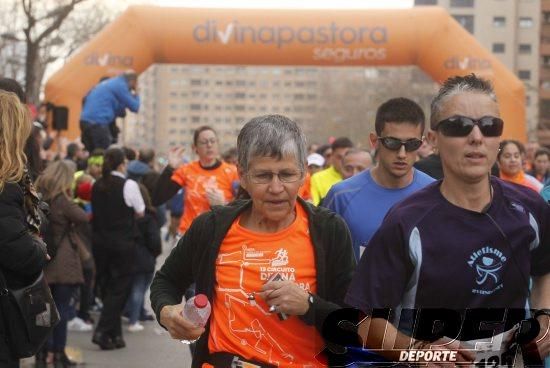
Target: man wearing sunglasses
[
  {"x": 364, "y": 199},
  {"x": 469, "y": 242}
]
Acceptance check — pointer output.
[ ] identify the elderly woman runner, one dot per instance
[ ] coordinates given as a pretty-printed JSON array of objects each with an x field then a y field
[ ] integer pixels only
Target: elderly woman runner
[{"x": 233, "y": 253}]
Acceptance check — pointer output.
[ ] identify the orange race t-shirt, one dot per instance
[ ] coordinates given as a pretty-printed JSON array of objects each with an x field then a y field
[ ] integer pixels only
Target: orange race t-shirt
[
  {"x": 240, "y": 322},
  {"x": 196, "y": 180}
]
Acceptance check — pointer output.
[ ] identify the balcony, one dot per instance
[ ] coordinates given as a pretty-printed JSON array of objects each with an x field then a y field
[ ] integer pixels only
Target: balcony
[
  {"x": 545, "y": 48},
  {"x": 544, "y": 74},
  {"x": 544, "y": 30}
]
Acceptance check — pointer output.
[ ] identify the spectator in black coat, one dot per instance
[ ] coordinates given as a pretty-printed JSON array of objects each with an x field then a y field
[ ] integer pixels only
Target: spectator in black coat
[{"x": 22, "y": 253}]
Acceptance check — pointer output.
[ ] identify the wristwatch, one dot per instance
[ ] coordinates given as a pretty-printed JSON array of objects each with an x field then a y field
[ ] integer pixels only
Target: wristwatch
[{"x": 310, "y": 300}]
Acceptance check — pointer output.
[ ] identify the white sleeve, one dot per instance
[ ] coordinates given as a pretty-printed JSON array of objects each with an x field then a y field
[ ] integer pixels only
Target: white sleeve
[{"x": 132, "y": 196}]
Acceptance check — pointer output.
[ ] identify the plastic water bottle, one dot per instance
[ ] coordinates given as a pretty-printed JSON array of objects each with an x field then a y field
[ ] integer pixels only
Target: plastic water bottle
[{"x": 196, "y": 310}]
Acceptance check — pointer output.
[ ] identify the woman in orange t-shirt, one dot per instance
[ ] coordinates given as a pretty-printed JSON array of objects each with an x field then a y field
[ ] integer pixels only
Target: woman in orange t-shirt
[
  {"x": 273, "y": 266},
  {"x": 509, "y": 163},
  {"x": 207, "y": 181}
]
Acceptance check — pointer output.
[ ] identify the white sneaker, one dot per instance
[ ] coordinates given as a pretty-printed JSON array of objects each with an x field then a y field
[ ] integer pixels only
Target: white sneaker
[
  {"x": 77, "y": 324},
  {"x": 135, "y": 327}
]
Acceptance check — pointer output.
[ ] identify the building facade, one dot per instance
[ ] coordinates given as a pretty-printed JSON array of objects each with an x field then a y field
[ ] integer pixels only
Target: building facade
[{"x": 325, "y": 102}]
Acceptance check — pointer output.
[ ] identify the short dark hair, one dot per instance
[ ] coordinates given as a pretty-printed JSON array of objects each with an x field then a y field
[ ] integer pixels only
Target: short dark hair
[
  {"x": 11, "y": 85},
  {"x": 146, "y": 155},
  {"x": 399, "y": 110},
  {"x": 342, "y": 142},
  {"x": 72, "y": 149},
  {"x": 112, "y": 159},
  {"x": 458, "y": 84},
  {"x": 506, "y": 142},
  {"x": 323, "y": 148},
  {"x": 129, "y": 153},
  {"x": 201, "y": 129},
  {"x": 542, "y": 151}
]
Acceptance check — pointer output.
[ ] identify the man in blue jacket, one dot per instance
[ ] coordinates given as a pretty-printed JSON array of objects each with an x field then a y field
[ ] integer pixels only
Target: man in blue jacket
[{"x": 103, "y": 104}]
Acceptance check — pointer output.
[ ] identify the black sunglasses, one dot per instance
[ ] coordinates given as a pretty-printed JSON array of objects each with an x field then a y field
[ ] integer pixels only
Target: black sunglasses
[
  {"x": 461, "y": 126},
  {"x": 395, "y": 144}
]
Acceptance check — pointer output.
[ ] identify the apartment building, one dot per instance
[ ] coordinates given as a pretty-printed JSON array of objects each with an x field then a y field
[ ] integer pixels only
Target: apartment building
[{"x": 325, "y": 102}]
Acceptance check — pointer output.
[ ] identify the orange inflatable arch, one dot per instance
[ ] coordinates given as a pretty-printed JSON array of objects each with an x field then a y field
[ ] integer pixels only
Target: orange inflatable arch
[{"x": 424, "y": 36}]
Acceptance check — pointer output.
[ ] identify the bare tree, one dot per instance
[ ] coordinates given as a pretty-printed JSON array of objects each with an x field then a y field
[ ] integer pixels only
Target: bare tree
[{"x": 34, "y": 34}]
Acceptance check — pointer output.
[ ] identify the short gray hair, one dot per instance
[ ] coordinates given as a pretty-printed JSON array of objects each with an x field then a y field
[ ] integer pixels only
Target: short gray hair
[
  {"x": 271, "y": 136},
  {"x": 456, "y": 85}
]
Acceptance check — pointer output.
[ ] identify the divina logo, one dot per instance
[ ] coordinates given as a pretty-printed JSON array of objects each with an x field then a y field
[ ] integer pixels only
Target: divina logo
[
  {"x": 282, "y": 35},
  {"x": 467, "y": 62},
  {"x": 109, "y": 59}
]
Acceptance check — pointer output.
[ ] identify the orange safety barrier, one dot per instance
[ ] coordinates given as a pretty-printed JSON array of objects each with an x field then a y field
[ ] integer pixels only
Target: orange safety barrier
[{"x": 425, "y": 36}]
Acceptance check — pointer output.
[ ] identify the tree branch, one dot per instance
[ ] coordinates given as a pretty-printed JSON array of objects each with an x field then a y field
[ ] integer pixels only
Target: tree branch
[{"x": 62, "y": 14}]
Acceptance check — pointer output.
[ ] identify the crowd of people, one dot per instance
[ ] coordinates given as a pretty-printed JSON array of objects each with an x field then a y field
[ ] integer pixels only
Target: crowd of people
[{"x": 277, "y": 234}]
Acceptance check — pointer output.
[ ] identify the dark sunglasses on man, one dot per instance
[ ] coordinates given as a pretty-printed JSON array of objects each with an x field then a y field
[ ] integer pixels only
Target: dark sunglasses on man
[
  {"x": 394, "y": 144},
  {"x": 461, "y": 126}
]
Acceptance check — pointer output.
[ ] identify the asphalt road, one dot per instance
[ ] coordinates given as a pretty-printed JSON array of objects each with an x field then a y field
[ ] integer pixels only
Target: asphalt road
[{"x": 150, "y": 348}]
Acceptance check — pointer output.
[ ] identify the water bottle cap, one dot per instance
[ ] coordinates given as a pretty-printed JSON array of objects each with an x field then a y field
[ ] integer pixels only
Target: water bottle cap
[{"x": 201, "y": 301}]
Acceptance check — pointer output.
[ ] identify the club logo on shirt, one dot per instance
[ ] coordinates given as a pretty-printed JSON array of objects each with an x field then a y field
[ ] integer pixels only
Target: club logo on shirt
[
  {"x": 281, "y": 258},
  {"x": 487, "y": 263}
]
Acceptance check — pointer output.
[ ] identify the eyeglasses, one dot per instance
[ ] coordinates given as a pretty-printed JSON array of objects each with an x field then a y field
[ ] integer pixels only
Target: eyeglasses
[
  {"x": 265, "y": 177},
  {"x": 212, "y": 141},
  {"x": 461, "y": 126},
  {"x": 395, "y": 144}
]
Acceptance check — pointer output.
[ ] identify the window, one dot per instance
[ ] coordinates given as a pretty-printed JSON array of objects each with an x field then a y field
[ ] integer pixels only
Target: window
[
  {"x": 546, "y": 17},
  {"x": 499, "y": 22},
  {"x": 525, "y": 22},
  {"x": 466, "y": 21},
  {"x": 240, "y": 95},
  {"x": 196, "y": 82},
  {"x": 462, "y": 3},
  {"x": 524, "y": 74},
  {"x": 527, "y": 100},
  {"x": 239, "y": 107},
  {"x": 195, "y": 119},
  {"x": 425, "y": 2},
  {"x": 544, "y": 108},
  {"x": 499, "y": 48},
  {"x": 524, "y": 48},
  {"x": 546, "y": 61},
  {"x": 195, "y": 106}
]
